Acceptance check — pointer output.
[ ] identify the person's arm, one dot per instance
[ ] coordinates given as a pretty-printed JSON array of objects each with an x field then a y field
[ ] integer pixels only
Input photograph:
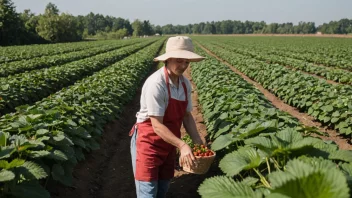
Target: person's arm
[
  {"x": 191, "y": 129},
  {"x": 162, "y": 131},
  {"x": 188, "y": 120}
]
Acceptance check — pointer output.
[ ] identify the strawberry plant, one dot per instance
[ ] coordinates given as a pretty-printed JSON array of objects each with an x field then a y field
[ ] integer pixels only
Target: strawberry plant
[
  {"x": 264, "y": 152},
  {"x": 46, "y": 140}
]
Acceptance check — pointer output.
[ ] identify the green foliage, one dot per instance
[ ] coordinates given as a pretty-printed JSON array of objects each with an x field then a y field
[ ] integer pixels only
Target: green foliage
[
  {"x": 262, "y": 146},
  {"x": 225, "y": 187},
  {"x": 47, "y": 139}
]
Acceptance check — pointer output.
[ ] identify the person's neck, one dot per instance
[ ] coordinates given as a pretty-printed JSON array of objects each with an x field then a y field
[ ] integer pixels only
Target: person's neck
[{"x": 173, "y": 77}]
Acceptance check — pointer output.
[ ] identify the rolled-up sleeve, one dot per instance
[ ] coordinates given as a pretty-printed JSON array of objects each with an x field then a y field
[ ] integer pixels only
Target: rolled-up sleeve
[{"x": 155, "y": 99}]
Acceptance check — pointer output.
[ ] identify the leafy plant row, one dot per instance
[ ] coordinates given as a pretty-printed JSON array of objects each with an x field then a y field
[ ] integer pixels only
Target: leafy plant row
[
  {"x": 15, "y": 67},
  {"x": 27, "y": 88},
  {"x": 337, "y": 75},
  {"x": 45, "y": 141},
  {"x": 330, "y": 104},
  {"x": 17, "y": 53},
  {"x": 331, "y": 52},
  {"x": 264, "y": 152}
]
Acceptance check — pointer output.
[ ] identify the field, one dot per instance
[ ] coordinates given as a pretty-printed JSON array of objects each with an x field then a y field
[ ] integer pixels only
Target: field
[{"x": 277, "y": 110}]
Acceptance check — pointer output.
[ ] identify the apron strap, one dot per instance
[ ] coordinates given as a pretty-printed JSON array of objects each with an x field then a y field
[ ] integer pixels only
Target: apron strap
[{"x": 167, "y": 82}]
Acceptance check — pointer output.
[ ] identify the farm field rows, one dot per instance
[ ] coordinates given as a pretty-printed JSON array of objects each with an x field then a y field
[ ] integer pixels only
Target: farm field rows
[
  {"x": 56, "y": 101},
  {"x": 48, "y": 138},
  {"x": 261, "y": 149},
  {"x": 29, "y": 87},
  {"x": 16, "y": 53},
  {"x": 331, "y": 104}
]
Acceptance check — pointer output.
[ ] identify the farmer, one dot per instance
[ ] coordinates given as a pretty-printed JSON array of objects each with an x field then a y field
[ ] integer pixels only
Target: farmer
[{"x": 165, "y": 105}]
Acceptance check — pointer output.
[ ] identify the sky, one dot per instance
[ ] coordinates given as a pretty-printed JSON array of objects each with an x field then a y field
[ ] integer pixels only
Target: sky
[{"x": 182, "y": 12}]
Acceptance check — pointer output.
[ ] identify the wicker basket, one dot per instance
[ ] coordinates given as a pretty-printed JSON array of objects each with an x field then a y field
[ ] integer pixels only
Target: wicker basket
[{"x": 204, "y": 164}]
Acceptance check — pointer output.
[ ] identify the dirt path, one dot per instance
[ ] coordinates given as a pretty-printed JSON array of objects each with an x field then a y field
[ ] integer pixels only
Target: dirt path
[
  {"x": 107, "y": 172},
  {"x": 304, "y": 118}
]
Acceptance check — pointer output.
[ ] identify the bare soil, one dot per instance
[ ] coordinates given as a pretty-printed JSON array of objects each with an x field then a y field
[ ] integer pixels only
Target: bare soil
[
  {"x": 304, "y": 118},
  {"x": 107, "y": 172}
]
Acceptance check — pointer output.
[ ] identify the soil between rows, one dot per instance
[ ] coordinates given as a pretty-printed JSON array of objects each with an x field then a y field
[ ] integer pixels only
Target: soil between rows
[
  {"x": 304, "y": 118},
  {"x": 107, "y": 172}
]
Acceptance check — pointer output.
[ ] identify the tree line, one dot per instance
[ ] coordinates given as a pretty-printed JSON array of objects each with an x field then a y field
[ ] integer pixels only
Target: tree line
[{"x": 54, "y": 26}]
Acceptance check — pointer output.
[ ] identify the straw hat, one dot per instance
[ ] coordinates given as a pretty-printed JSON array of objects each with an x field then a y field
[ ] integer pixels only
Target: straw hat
[{"x": 179, "y": 47}]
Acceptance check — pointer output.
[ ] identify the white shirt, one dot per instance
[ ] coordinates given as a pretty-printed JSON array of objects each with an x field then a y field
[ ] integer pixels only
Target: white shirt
[{"x": 155, "y": 97}]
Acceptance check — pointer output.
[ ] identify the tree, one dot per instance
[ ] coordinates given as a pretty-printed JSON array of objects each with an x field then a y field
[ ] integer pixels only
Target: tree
[
  {"x": 137, "y": 26},
  {"x": 49, "y": 24},
  {"x": 157, "y": 29},
  {"x": 209, "y": 28},
  {"x": 226, "y": 27},
  {"x": 11, "y": 26},
  {"x": 51, "y": 9},
  {"x": 168, "y": 29},
  {"x": 196, "y": 29},
  {"x": 121, "y": 33},
  {"x": 147, "y": 28},
  {"x": 59, "y": 28}
]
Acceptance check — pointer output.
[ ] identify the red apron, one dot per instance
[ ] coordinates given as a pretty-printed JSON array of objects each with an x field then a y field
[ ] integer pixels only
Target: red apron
[{"x": 155, "y": 158}]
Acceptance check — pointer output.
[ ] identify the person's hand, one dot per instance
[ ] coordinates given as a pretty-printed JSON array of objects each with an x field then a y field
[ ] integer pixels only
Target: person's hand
[{"x": 187, "y": 157}]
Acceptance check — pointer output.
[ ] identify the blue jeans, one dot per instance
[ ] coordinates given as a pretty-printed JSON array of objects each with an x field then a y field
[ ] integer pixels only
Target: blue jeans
[{"x": 147, "y": 189}]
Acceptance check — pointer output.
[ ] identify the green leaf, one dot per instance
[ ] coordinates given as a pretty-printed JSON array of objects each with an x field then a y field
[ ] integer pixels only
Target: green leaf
[
  {"x": 6, "y": 152},
  {"x": 303, "y": 180},
  {"x": 4, "y": 164},
  {"x": 334, "y": 120},
  {"x": 222, "y": 142},
  {"x": 6, "y": 175},
  {"x": 328, "y": 108},
  {"x": 59, "y": 137},
  {"x": 342, "y": 155},
  {"x": 58, "y": 155},
  {"x": 252, "y": 129},
  {"x": 72, "y": 123},
  {"x": 38, "y": 154},
  {"x": 245, "y": 158},
  {"x": 31, "y": 170},
  {"x": 250, "y": 181},
  {"x": 336, "y": 114},
  {"x": 223, "y": 128},
  {"x": 16, "y": 163},
  {"x": 41, "y": 132},
  {"x": 5, "y": 87},
  {"x": 224, "y": 187},
  {"x": 34, "y": 116}
]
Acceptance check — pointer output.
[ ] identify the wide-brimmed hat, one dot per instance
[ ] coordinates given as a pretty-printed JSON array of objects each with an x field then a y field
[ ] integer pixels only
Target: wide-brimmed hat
[{"x": 179, "y": 47}]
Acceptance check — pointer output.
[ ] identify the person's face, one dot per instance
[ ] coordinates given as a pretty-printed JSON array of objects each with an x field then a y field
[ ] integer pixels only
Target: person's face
[{"x": 177, "y": 65}]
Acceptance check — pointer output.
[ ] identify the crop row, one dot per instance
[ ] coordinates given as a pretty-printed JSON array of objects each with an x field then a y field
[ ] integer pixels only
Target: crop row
[
  {"x": 330, "y": 104},
  {"x": 15, "y": 67},
  {"x": 16, "y": 53},
  {"x": 263, "y": 152},
  {"x": 45, "y": 141},
  {"x": 337, "y": 75},
  {"x": 332, "y": 52},
  {"x": 30, "y": 87}
]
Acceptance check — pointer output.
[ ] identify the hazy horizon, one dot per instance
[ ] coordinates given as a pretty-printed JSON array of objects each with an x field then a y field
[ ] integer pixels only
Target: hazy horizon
[{"x": 158, "y": 12}]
